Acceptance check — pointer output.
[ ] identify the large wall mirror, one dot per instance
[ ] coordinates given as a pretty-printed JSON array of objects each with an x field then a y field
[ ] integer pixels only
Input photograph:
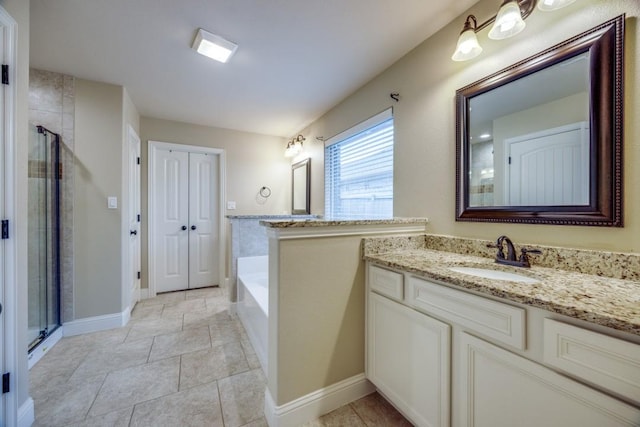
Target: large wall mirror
[
  {"x": 301, "y": 187},
  {"x": 541, "y": 141}
]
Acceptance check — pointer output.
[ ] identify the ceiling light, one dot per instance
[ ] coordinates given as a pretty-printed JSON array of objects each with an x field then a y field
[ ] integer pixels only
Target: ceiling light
[
  {"x": 485, "y": 135},
  {"x": 549, "y": 5},
  {"x": 468, "y": 46},
  {"x": 509, "y": 21},
  {"x": 214, "y": 47}
]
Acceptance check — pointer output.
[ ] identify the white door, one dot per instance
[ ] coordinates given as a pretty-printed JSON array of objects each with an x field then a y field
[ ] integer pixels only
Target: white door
[
  {"x": 549, "y": 168},
  {"x": 134, "y": 217},
  {"x": 171, "y": 211},
  {"x": 203, "y": 220},
  {"x": 186, "y": 220},
  {"x": 3, "y": 267}
]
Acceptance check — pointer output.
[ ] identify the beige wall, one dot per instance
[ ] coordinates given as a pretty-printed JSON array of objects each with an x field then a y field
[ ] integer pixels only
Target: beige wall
[
  {"x": 19, "y": 10},
  {"x": 427, "y": 79},
  {"x": 319, "y": 321},
  {"x": 253, "y": 161},
  {"x": 98, "y": 174}
]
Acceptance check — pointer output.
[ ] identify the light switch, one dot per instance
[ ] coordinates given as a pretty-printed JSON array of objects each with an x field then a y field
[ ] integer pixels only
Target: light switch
[
  {"x": 112, "y": 202},
  {"x": 231, "y": 206}
]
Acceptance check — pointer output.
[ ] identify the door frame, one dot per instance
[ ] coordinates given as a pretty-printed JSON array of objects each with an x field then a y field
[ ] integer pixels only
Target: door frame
[
  {"x": 9, "y": 321},
  {"x": 153, "y": 147},
  {"x": 132, "y": 138}
]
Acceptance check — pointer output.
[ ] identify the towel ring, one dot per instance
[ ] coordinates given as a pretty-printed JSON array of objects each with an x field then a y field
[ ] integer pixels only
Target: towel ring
[{"x": 265, "y": 192}]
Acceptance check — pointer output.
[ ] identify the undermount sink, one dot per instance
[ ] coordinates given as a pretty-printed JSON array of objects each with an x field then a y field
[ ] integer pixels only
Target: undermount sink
[{"x": 493, "y": 274}]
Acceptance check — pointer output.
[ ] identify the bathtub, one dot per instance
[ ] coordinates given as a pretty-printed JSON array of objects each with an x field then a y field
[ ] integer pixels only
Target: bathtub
[{"x": 253, "y": 302}]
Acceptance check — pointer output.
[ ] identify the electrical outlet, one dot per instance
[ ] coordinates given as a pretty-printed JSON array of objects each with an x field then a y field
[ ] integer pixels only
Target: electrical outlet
[{"x": 231, "y": 206}]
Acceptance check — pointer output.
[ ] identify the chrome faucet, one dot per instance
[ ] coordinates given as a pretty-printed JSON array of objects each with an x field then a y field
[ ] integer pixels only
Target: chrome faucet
[{"x": 510, "y": 257}]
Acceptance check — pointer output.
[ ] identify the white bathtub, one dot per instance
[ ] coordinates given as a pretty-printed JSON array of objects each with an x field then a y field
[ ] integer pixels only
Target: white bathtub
[{"x": 253, "y": 302}]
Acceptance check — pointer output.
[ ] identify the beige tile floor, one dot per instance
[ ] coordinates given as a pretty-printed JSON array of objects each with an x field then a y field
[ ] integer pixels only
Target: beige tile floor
[{"x": 182, "y": 360}]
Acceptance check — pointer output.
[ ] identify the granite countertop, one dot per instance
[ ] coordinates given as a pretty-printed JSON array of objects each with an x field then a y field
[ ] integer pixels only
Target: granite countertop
[
  {"x": 339, "y": 222},
  {"x": 610, "y": 302}
]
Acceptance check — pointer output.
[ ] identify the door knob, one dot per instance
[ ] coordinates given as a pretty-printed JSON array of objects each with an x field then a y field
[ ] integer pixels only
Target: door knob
[
  {"x": 184, "y": 227},
  {"x": 133, "y": 232},
  {"x": 193, "y": 227}
]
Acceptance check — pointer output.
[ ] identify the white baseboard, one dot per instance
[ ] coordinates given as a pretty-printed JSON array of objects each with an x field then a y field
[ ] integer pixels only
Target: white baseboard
[
  {"x": 144, "y": 294},
  {"x": 26, "y": 414},
  {"x": 44, "y": 347},
  {"x": 317, "y": 403},
  {"x": 96, "y": 323},
  {"x": 233, "y": 308}
]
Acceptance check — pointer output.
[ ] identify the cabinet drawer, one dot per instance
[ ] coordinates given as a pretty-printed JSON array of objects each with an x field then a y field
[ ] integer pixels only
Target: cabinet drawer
[
  {"x": 610, "y": 362},
  {"x": 386, "y": 282},
  {"x": 501, "y": 322}
]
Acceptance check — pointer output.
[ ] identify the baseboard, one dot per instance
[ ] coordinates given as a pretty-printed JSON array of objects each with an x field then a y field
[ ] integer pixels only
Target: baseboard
[
  {"x": 96, "y": 323},
  {"x": 26, "y": 414},
  {"x": 317, "y": 403},
  {"x": 44, "y": 346},
  {"x": 233, "y": 308}
]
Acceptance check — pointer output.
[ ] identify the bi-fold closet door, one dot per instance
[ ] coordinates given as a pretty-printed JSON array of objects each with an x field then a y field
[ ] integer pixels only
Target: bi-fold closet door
[{"x": 186, "y": 220}]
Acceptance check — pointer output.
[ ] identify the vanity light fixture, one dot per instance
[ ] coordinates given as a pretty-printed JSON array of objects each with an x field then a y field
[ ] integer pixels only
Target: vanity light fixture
[
  {"x": 550, "y": 5},
  {"x": 508, "y": 22},
  {"x": 213, "y": 46},
  {"x": 294, "y": 147}
]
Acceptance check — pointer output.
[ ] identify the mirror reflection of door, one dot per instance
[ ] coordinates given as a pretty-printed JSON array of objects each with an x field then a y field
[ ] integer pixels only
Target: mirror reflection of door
[
  {"x": 524, "y": 109},
  {"x": 548, "y": 168},
  {"x": 300, "y": 188}
]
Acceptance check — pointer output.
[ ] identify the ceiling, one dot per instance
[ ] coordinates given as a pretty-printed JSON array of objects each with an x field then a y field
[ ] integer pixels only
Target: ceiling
[{"x": 296, "y": 58}]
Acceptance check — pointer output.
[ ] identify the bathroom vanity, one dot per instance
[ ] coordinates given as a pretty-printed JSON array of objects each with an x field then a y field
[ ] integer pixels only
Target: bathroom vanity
[{"x": 547, "y": 347}]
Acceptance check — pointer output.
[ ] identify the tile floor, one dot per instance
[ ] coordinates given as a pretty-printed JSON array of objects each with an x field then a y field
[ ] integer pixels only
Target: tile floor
[{"x": 182, "y": 360}]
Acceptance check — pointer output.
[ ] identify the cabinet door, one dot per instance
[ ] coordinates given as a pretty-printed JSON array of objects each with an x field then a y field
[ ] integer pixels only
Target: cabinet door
[
  {"x": 408, "y": 359},
  {"x": 501, "y": 389}
]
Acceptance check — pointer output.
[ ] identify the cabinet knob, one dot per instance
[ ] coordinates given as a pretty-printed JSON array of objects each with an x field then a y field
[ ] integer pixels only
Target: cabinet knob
[
  {"x": 133, "y": 232},
  {"x": 184, "y": 227},
  {"x": 193, "y": 227}
]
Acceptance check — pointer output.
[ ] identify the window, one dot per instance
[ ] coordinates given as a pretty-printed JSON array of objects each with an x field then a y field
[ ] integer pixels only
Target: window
[{"x": 359, "y": 170}]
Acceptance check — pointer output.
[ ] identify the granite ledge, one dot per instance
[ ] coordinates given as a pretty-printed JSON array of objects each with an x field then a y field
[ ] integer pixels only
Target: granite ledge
[
  {"x": 272, "y": 217},
  {"x": 340, "y": 222},
  {"x": 605, "y": 301}
]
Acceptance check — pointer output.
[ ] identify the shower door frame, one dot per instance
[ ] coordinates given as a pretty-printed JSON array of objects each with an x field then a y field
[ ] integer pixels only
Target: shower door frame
[{"x": 53, "y": 175}]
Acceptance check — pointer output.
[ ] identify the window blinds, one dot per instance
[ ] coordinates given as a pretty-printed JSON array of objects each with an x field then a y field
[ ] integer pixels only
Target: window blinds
[{"x": 359, "y": 172}]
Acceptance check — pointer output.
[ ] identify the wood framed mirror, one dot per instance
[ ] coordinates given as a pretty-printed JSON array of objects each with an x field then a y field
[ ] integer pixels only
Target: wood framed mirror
[
  {"x": 541, "y": 141},
  {"x": 301, "y": 187}
]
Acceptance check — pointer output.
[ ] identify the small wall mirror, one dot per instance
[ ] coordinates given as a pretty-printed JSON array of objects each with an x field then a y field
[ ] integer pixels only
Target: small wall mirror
[
  {"x": 541, "y": 141},
  {"x": 301, "y": 187}
]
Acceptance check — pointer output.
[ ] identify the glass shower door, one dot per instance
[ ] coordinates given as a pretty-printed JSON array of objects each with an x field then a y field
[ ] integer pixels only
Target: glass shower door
[{"x": 44, "y": 234}]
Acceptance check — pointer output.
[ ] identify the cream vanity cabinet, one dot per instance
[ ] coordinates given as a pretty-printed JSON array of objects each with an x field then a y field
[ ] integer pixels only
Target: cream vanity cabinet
[{"x": 446, "y": 357}]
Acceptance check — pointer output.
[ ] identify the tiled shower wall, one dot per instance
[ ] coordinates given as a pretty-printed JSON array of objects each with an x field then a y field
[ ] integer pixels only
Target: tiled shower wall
[{"x": 52, "y": 105}]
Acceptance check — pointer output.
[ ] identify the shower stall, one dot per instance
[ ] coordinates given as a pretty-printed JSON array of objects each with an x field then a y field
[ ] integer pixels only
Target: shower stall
[{"x": 45, "y": 173}]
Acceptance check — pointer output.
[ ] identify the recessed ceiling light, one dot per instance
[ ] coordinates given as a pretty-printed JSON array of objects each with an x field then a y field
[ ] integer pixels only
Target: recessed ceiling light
[
  {"x": 485, "y": 135},
  {"x": 214, "y": 47}
]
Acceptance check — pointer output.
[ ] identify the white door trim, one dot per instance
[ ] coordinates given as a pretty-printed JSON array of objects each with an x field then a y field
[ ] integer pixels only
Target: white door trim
[
  {"x": 151, "y": 187},
  {"x": 131, "y": 297},
  {"x": 13, "y": 352}
]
